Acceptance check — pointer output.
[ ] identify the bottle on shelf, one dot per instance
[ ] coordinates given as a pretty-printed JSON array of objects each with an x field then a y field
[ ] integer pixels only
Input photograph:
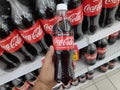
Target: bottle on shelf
[
  {"x": 112, "y": 63},
  {"x": 90, "y": 54},
  {"x": 10, "y": 40},
  {"x": 117, "y": 15},
  {"x": 104, "y": 67},
  {"x": 113, "y": 38},
  {"x": 82, "y": 78},
  {"x": 75, "y": 16},
  {"x": 63, "y": 42},
  {"x": 101, "y": 48},
  {"x": 28, "y": 27},
  {"x": 90, "y": 75},
  {"x": 91, "y": 11},
  {"x": 75, "y": 82},
  {"x": 107, "y": 16},
  {"x": 46, "y": 14},
  {"x": 21, "y": 84}
]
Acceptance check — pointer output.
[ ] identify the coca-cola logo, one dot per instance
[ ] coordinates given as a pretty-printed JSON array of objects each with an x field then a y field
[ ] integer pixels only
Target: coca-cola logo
[
  {"x": 48, "y": 27},
  {"x": 90, "y": 57},
  {"x": 36, "y": 34},
  {"x": 92, "y": 8},
  {"x": 15, "y": 41},
  {"x": 88, "y": 8},
  {"x": 63, "y": 43},
  {"x": 111, "y": 1},
  {"x": 75, "y": 17}
]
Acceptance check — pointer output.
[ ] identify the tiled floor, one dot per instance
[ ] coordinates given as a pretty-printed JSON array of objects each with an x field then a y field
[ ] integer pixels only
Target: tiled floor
[{"x": 109, "y": 81}]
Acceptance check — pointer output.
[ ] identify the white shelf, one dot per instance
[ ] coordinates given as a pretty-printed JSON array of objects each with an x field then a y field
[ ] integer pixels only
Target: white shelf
[
  {"x": 97, "y": 74},
  {"x": 103, "y": 32},
  {"x": 20, "y": 71},
  {"x": 81, "y": 67}
]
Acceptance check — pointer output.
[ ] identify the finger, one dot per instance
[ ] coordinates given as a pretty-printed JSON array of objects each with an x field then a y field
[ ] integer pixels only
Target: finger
[{"x": 49, "y": 55}]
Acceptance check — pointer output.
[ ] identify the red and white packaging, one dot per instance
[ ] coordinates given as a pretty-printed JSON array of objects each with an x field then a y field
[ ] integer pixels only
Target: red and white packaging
[
  {"x": 110, "y": 3},
  {"x": 101, "y": 50},
  {"x": 12, "y": 43},
  {"x": 90, "y": 57}
]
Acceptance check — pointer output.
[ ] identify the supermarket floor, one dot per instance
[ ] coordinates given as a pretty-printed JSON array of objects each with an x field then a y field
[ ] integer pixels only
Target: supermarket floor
[{"x": 108, "y": 81}]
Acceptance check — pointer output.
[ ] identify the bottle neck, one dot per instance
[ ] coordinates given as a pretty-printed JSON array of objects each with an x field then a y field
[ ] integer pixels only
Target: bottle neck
[{"x": 61, "y": 13}]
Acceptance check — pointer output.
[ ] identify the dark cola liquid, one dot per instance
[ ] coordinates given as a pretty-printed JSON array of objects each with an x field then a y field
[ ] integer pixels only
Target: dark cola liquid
[
  {"x": 46, "y": 11},
  {"x": 63, "y": 58},
  {"x": 24, "y": 19},
  {"x": 101, "y": 48},
  {"x": 91, "y": 54},
  {"x": 117, "y": 16}
]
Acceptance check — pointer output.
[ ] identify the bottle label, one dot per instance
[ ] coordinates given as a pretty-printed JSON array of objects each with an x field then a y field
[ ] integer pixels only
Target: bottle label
[
  {"x": 63, "y": 42},
  {"x": 26, "y": 86},
  {"x": 114, "y": 35},
  {"x": 101, "y": 50},
  {"x": 48, "y": 24},
  {"x": 75, "y": 16},
  {"x": 92, "y": 7},
  {"x": 32, "y": 34},
  {"x": 12, "y": 43},
  {"x": 1, "y": 51},
  {"x": 110, "y": 3},
  {"x": 91, "y": 56}
]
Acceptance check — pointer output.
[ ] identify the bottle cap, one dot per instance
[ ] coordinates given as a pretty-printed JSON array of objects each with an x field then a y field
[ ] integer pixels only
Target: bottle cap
[{"x": 62, "y": 6}]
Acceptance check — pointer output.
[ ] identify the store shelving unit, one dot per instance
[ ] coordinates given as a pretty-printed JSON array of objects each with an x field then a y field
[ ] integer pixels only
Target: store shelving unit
[{"x": 81, "y": 66}]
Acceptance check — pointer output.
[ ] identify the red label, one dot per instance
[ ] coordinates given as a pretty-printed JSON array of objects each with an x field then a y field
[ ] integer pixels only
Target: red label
[
  {"x": 90, "y": 57},
  {"x": 75, "y": 16},
  {"x": 114, "y": 35},
  {"x": 32, "y": 34},
  {"x": 92, "y": 7},
  {"x": 101, "y": 50},
  {"x": 110, "y": 3},
  {"x": 1, "y": 51},
  {"x": 12, "y": 43},
  {"x": 48, "y": 24},
  {"x": 63, "y": 42},
  {"x": 26, "y": 86}
]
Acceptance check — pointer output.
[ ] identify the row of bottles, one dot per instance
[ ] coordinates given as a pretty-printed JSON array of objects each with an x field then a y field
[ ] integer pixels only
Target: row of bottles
[
  {"x": 97, "y": 51},
  {"x": 25, "y": 82}
]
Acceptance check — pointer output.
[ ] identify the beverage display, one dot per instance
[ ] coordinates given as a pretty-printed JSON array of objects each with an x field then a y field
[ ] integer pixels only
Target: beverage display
[
  {"x": 104, "y": 67},
  {"x": 112, "y": 63},
  {"x": 46, "y": 15},
  {"x": 75, "y": 16},
  {"x": 30, "y": 29},
  {"x": 92, "y": 10},
  {"x": 109, "y": 9},
  {"x": 101, "y": 48},
  {"x": 10, "y": 40},
  {"x": 113, "y": 38},
  {"x": 63, "y": 42},
  {"x": 82, "y": 78},
  {"x": 91, "y": 54}
]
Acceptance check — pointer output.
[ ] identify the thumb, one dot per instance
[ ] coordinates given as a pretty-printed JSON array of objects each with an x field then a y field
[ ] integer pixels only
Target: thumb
[{"x": 49, "y": 55}]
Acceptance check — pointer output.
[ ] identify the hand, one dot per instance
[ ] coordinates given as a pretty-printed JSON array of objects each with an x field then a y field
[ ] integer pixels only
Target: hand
[{"x": 45, "y": 80}]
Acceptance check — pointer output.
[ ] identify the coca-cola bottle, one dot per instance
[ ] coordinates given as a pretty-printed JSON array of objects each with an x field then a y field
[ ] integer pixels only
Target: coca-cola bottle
[
  {"x": 46, "y": 15},
  {"x": 113, "y": 38},
  {"x": 31, "y": 78},
  {"x": 91, "y": 54},
  {"x": 91, "y": 9},
  {"x": 8, "y": 62},
  {"x": 101, "y": 48},
  {"x": 107, "y": 16},
  {"x": 63, "y": 42},
  {"x": 21, "y": 84},
  {"x": 117, "y": 15},
  {"x": 10, "y": 40},
  {"x": 30, "y": 29}
]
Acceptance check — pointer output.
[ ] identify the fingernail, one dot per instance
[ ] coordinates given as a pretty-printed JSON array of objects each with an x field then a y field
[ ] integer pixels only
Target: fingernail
[{"x": 50, "y": 47}]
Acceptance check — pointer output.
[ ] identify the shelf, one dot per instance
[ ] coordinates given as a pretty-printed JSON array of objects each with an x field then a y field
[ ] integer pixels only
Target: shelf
[
  {"x": 22, "y": 70},
  {"x": 102, "y": 32},
  {"x": 81, "y": 66},
  {"x": 97, "y": 74}
]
